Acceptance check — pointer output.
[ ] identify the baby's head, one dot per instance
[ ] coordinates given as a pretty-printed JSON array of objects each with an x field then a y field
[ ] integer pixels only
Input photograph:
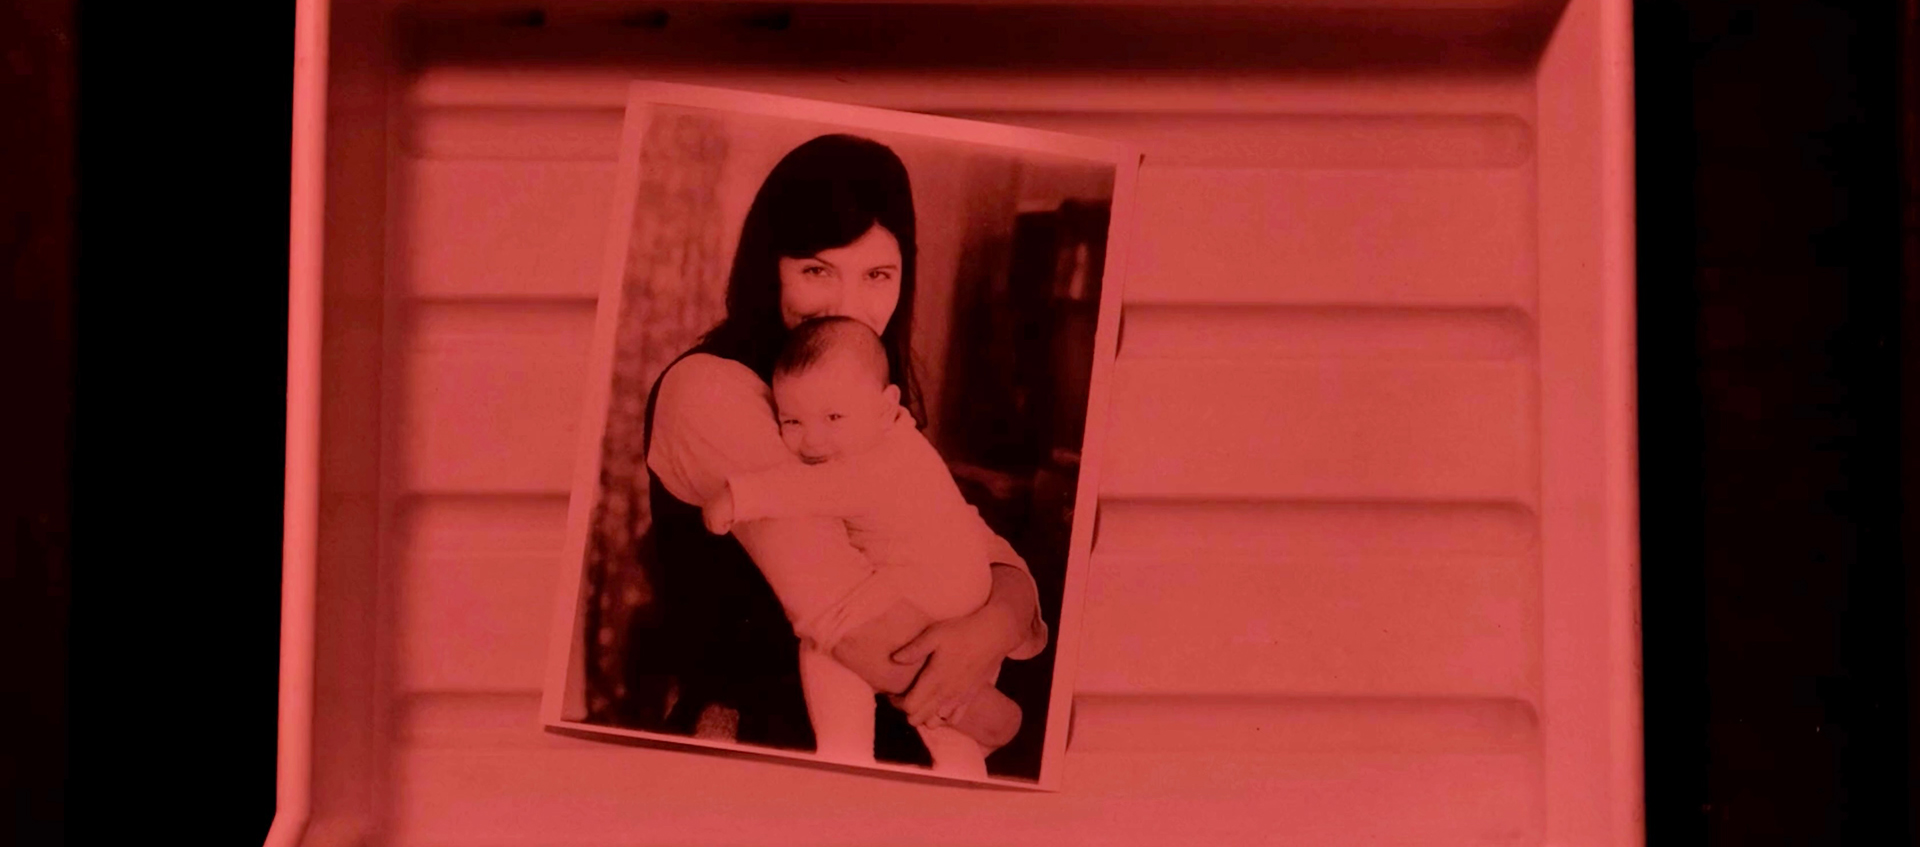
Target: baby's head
[{"x": 831, "y": 390}]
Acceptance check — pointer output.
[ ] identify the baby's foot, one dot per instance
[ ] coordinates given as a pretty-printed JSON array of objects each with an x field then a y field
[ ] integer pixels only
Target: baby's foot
[
  {"x": 989, "y": 717},
  {"x": 955, "y": 754}
]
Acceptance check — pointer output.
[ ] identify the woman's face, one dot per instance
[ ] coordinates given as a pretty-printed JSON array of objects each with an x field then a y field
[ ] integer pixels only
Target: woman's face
[{"x": 859, "y": 281}]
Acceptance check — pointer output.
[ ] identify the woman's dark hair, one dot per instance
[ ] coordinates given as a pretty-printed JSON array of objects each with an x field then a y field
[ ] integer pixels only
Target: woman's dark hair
[{"x": 824, "y": 194}]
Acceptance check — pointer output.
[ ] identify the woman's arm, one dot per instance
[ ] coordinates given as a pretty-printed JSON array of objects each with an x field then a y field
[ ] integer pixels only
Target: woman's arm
[
  {"x": 1014, "y": 593},
  {"x": 1008, "y": 625},
  {"x": 962, "y": 654}
]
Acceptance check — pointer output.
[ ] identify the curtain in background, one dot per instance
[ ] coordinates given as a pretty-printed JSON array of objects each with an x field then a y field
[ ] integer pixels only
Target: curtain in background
[{"x": 674, "y": 290}]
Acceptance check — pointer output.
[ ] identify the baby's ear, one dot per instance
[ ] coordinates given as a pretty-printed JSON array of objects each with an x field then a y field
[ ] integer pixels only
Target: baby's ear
[{"x": 892, "y": 394}]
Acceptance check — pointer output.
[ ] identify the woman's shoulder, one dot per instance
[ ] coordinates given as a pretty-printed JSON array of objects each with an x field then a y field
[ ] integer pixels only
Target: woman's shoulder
[
  {"x": 712, "y": 417},
  {"x": 706, "y": 376},
  {"x": 708, "y": 366},
  {"x": 704, "y": 384}
]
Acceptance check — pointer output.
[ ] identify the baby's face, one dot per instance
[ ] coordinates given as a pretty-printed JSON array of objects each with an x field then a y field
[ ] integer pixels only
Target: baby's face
[{"x": 833, "y": 409}]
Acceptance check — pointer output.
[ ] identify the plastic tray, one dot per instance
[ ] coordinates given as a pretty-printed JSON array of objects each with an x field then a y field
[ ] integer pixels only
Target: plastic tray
[{"x": 1366, "y": 563}]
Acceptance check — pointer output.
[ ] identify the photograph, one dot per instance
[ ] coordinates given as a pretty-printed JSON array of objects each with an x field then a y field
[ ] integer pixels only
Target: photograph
[{"x": 838, "y": 464}]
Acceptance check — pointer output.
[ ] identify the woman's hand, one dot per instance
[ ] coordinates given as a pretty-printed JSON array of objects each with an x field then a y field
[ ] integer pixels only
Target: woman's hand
[{"x": 963, "y": 654}]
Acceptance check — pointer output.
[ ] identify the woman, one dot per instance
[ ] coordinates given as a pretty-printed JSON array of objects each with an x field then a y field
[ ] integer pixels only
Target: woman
[{"x": 831, "y": 232}]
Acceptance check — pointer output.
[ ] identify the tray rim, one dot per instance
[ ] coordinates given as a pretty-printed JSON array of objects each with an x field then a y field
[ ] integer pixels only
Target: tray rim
[{"x": 1625, "y": 816}]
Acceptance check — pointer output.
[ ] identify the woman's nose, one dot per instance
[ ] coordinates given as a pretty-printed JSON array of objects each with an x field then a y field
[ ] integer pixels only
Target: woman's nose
[{"x": 836, "y": 301}]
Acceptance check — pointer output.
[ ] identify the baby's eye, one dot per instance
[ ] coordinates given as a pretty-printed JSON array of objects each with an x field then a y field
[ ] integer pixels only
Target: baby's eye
[{"x": 834, "y": 416}]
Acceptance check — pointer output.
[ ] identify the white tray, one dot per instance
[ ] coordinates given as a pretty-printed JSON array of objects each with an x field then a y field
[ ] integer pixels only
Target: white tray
[{"x": 1366, "y": 567}]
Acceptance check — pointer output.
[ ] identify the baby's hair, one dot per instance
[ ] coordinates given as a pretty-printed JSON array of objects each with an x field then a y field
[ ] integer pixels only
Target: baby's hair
[{"x": 819, "y": 339}]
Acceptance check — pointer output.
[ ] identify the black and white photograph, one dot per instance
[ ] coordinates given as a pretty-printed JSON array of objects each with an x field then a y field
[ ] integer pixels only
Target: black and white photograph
[{"x": 834, "y": 495}]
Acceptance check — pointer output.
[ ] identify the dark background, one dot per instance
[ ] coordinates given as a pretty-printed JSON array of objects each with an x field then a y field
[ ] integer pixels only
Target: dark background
[
  {"x": 1770, "y": 310},
  {"x": 143, "y": 238},
  {"x": 143, "y": 194}
]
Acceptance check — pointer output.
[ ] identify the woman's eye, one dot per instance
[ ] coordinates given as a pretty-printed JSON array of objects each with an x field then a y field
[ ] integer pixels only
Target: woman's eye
[
  {"x": 879, "y": 276},
  {"x": 814, "y": 270}
]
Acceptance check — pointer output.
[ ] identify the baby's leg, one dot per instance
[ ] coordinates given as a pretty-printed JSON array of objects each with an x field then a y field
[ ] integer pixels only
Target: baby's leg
[
  {"x": 840, "y": 704},
  {"x": 954, "y": 753}
]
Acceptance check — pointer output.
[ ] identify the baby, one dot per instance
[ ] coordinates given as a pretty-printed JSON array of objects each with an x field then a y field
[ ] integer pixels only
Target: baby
[{"x": 864, "y": 461}]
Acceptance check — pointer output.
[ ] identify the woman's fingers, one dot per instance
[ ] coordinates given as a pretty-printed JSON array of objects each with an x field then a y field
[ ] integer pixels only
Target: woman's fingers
[
  {"x": 925, "y": 699},
  {"x": 919, "y": 704},
  {"x": 958, "y": 712},
  {"x": 940, "y": 701},
  {"x": 959, "y": 657},
  {"x": 929, "y": 695},
  {"x": 948, "y": 711},
  {"x": 916, "y": 651}
]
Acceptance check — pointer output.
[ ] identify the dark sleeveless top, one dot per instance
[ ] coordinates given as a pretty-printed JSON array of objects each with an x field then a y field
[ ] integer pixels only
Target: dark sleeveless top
[{"x": 723, "y": 635}]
